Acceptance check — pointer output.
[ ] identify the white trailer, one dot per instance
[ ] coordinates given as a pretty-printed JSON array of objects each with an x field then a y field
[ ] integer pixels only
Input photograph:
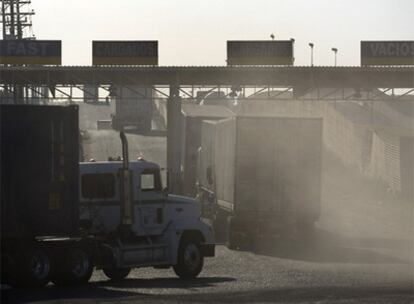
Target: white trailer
[{"x": 260, "y": 176}]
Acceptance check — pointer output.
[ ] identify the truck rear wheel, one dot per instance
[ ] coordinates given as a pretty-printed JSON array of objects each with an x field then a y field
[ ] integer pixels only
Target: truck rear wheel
[
  {"x": 190, "y": 260},
  {"x": 117, "y": 274},
  {"x": 76, "y": 268},
  {"x": 33, "y": 268}
]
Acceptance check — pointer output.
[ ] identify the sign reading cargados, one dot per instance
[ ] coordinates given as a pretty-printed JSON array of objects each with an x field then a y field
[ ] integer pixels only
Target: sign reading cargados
[
  {"x": 125, "y": 52},
  {"x": 260, "y": 52},
  {"x": 387, "y": 52},
  {"x": 31, "y": 52}
]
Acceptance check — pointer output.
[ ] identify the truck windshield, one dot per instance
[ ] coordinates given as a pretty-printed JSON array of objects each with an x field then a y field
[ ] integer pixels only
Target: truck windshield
[{"x": 98, "y": 186}]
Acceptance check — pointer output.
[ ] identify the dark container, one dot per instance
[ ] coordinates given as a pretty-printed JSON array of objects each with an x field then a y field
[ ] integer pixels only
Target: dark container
[{"x": 39, "y": 148}]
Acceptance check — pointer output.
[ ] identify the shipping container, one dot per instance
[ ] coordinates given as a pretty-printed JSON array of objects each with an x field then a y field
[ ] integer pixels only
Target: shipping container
[{"x": 39, "y": 170}]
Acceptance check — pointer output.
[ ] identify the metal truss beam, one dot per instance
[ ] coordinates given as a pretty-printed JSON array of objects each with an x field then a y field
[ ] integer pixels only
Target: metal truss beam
[
  {"x": 188, "y": 94},
  {"x": 305, "y": 77}
]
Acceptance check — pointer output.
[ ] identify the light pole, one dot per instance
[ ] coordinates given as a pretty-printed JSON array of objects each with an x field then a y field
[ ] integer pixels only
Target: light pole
[
  {"x": 293, "y": 52},
  {"x": 335, "y": 50},
  {"x": 311, "y": 46}
]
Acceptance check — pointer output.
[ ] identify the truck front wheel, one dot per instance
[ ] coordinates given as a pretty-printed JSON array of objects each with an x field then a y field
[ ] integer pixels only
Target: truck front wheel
[
  {"x": 76, "y": 268},
  {"x": 190, "y": 259}
]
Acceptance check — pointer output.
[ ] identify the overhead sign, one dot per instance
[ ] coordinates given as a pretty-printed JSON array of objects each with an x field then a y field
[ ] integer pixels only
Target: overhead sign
[
  {"x": 387, "y": 52},
  {"x": 125, "y": 52},
  {"x": 260, "y": 52},
  {"x": 30, "y": 52}
]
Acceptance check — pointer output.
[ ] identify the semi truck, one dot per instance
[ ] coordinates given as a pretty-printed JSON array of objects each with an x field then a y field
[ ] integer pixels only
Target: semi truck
[
  {"x": 61, "y": 218},
  {"x": 260, "y": 177},
  {"x": 134, "y": 107}
]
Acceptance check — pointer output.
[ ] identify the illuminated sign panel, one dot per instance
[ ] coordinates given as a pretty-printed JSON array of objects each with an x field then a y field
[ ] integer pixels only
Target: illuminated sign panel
[
  {"x": 387, "y": 52},
  {"x": 31, "y": 52},
  {"x": 125, "y": 52},
  {"x": 260, "y": 52}
]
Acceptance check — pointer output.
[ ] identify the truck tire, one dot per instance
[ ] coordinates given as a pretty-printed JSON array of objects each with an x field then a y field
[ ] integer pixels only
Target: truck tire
[
  {"x": 33, "y": 268},
  {"x": 190, "y": 259},
  {"x": 116, "y": 274},
  {"x": 75, "y": 267}
]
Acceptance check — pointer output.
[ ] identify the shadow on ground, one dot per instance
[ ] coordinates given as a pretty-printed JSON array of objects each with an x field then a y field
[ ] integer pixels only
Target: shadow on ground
[
  {"x": 327, "y": 294},
  {"x": 106, "y": 289}
]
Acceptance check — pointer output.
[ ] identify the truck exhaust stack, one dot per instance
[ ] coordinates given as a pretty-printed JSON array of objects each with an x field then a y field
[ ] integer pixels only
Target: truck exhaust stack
[{"x": 127, "y": 213}]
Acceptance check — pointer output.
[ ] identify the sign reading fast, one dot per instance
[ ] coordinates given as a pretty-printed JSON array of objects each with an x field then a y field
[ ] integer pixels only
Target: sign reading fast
[
  {"x": 125, "y": 52},
  {"x": 387, "y": 52},
  {"x": 260, "y": 52},
  {"x": 31, "y": 52}
]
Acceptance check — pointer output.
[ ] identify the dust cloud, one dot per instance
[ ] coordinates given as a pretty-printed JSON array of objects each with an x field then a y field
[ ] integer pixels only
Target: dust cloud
[{"x": 363, "y": 220}]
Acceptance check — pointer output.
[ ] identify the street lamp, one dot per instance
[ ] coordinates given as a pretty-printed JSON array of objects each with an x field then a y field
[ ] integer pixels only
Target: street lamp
[
  {"x": 293, "y": 54},
  {"x": 311, "y": 46},
  {"x": 335, "y": 50}
]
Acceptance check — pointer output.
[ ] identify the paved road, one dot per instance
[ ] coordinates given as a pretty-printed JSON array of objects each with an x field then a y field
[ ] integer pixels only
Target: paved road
[{"x": 362, "y": 252}]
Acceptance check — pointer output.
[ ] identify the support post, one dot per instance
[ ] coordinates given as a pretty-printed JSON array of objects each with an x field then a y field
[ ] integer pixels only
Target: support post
[{"x": 174, "y": 140}]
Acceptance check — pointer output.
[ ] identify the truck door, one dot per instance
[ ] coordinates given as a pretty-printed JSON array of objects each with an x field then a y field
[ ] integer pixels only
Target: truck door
[{"x": 150, "y": 217}]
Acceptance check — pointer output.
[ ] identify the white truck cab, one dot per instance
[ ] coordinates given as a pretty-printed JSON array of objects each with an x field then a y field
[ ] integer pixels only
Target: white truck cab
[{"x": 164, "y": 230}]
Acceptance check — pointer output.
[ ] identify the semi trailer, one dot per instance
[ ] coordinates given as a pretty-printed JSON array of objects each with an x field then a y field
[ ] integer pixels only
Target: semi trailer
[
  {"x": 134, "y": 107},
  {"x": 61, "y": 219},
  {"x": 260, "y": 177},
  {"x": 192, "y": 117}
]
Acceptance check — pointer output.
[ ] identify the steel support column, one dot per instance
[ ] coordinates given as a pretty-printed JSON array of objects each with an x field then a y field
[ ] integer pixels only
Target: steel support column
[{"x": 174, "y": 140}]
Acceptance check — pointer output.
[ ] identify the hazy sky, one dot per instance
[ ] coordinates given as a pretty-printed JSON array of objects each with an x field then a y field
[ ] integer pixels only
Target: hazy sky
[{"x": 194, "y": 32}]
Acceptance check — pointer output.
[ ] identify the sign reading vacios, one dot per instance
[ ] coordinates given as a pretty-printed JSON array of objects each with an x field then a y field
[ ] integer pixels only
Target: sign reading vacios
[
  {"x": 387, "y": 52},
  {"x": 30, "y": 52},
  {"x": 125, "y": 52},
  {"x": 260, "y": 52}
]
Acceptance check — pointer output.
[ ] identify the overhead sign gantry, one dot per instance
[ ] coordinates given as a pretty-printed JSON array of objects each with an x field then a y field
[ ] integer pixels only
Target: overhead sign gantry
[
  {"x": 387, "y": 53},
  {"x": 125, "y": 52},
  {"x": 36, "y": 52},
  {"x": 260, "y": 52}
]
